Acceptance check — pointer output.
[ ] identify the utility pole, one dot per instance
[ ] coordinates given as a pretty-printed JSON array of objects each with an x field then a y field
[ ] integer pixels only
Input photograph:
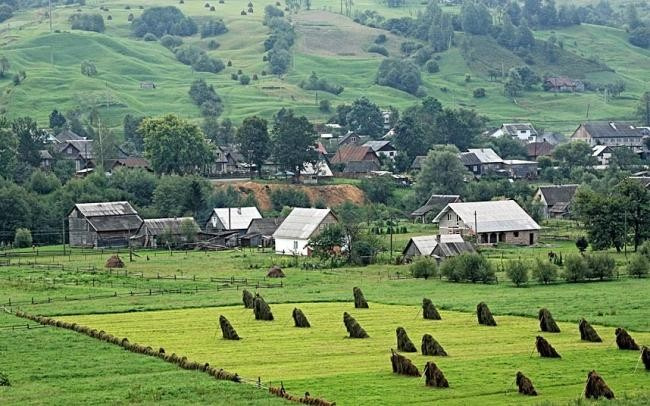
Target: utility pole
[
  {"x": 49, "y": 12},
  {"x": 390, "y": 228},
  {"x": 647, "y": 109},
  {"x": 63, "y": 234},
  {"x": 476, "y": 226}
]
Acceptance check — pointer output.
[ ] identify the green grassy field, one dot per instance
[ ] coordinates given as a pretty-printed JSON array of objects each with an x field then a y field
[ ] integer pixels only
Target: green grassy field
[{"x": 481, "y": 365}]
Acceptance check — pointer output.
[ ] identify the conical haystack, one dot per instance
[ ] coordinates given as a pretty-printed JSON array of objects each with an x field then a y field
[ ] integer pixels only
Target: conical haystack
[
  {"x": 597, "y": 388},
  {"x": 546, "y": 322},
  {"x": 299, "y": 318},
  {"x": 275, "y": 272},
  {"x": 404, "y": 343},
  {"x": 431, "y": 347},
  {"x": 545, "y": 349},
  {"x": 484, "y": 315},
  {"x": 429, "y": 311},
  {"x": 114, "y": 262},
  {"x": 434, "y": 377},
  {"x": 402, "y": 365},
  {"x": 359, "y": 300},
  {"x": 261, "y": 309},
  {"x": 588, "y": 333},
  {"x": 525, "y": 385},
  {"x": 625, "y": 341},
  {"x": 227, "y": 329},
  {"x": 354, "y": 329},
  {"x": 248, "y": 299},
  {"x": 645, "y": 357}
]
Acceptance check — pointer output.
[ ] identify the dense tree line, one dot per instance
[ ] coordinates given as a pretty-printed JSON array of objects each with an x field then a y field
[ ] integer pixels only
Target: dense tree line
[
  {"x": 87, "y": 22},
  {"x": 206, "y": 98},
  {"x": 400, "y": 74},
  {"x": 361, "y": 117},
  {"x": 313, "y": 82},
  {"x": 160, "y": 21},
  {"x": 280, "y": 40},
  {"x": 213, "y": 27},
  {"x": 198, "y": 59}
]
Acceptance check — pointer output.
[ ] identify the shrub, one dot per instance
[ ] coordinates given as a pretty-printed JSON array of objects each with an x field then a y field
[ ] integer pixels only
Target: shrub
[
  {"x": 130, "y": 17},
  {"x": 638, "y": 266},
  {"x": 517, "y": 272},
  {"x": 582, "y": 244},
  {"x": 212, "y": 44},
  {"x": 229, "y": 63},
  {"x": 575, "y": 268},
  {"x": 314, "y": 83},
  {"x": 409, "y": 47},
  {"x": 88, "y": 68},
  {"x": 544, "y": 272},
  {"x": 239, "y": 71},
  {"x": 212, "y": 8},
  {"x": 244, "y": 79},
  {"x": 23, "y": 238},
  {"x": 213, "y": 27},
  {"x": 290, "y": 198},
  {"x": 600, "y": 266},
  {"x": 149, "y": 37},
  {"x": 87, "y": 22},
  {"x": 163, "y": 20},
  {"x": 171, "y": 41},
  {"x": 423, "y": 267},
  {"x": 468, "y": 267},
  {"x": 381, "y": 39},
  {"x": 234, "y": 76},
  {"x": 432, "y": 66},
  {"x": 325, "y": 106},
  {"x": 243, "y": 12},
  {"x": 468, "y": 78},
  {"x": 399, "y": 74},
  {"x": 479, "y": 93},
  {"x": 255, "y": 76},
  {"x": 377, "y": 49}
]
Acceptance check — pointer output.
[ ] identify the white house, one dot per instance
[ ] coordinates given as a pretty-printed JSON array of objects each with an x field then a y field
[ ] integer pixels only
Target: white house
[
  {"x": 382, "y": 148},
  {"x": 602, "y": 153},
  {"x": 300, "y": 226},
  {"x": 232, "y": 219},
  {"x": 523, "y": 131},
  {"x": 502, "y": 221}
]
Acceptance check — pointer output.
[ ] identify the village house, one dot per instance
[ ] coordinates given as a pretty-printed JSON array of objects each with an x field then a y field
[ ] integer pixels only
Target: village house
[
  {"x": 154, "y": 233},
  {"x": 612, "y": 134},
  {"x": 603, "y": 154},
  {"x": 416, "y": 165},
  {"x": 260, "y": 232},
  {"x": 563, "y": 84},
  {"x": 481, "y": 161},
  {"x": 555, "y": 199},
  {"x": 131, "y": 162},
  {"x": 99, "y": 225},
  {"x": 520, "y": 169},
  {"x": 382, "y": 148},
  {"x": 46, "y": 159},
  {"x": 354, "y": 153},
  {"x": 535, "y": 150},
  {"x": 436, "y": 246},
  {"x": 524, "y": 132},
  {"x": 232, "y": 219},
  {"x": 502, "y": 221},
  {"x": 433, "y": 205},
  {"x": 312, "y": 173},
  {"x": 352, "y": 138},
  {"x": 301, "y": 225}
]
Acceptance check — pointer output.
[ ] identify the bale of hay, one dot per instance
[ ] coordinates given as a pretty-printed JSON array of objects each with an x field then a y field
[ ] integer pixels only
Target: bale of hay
[
  {"x": 429, "y": 311},
  {"x": 402, "y": 365},
  {"x": 625, "y": 341},
  {"x": 645, "y": 357},
  {"x": 545, "y": 349},
  {"x": 299, "y": 318},
  {"x": 359, "y": 300},
  {"x": 525, "y": 385},
  {"x": 354, "y": 329},
  {"x": 275, "y": 272},
  {"x": 261, "y": 309},
  {"x": 404, "y": 343},
  {"x": 431, "y": 347},
  {"x": 596, "y": 387},
  {"x": 248, "y": 298},
  {"x": 114, "y": 262},
  {"x": 484, "y": 315},
  {"x": 434, "y": 377},
  {"x": 227, "y": 329},
  {"x": 588, "y": 333},
  {"x": 546, "y": 322}
]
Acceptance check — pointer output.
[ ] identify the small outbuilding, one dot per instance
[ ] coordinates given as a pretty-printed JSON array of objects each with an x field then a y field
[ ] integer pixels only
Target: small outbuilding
[
  {"x": 260, "y": 232},
  {"x": 232, "y": 219},
  {"x": 437, "y": 246},
  {"x": 434, "y": 204},
  {"x": 555, "y": 199},
  {"x": 161, "y": 232},
  {"x": 301, "y": 225},
  {"x": 109, "y": 224}
]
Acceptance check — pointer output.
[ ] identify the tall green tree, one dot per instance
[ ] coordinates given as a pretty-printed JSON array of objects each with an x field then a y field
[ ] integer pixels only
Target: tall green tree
[
  {"x": 442, "y": 173},
  {"x": 458, "y": 127},
  {"x": 573, "y": 154},
  {"x": 601, "y": 215},
  {"x": 294, "y": 140},
  {"x": 174, "y": 146},
  {"x": 131, "y": 133},
  {"x": 105, "y": 145},
  {"x": 8, "y": 149},
  {"x": 635, "y": 201},
  {"x": 525, "y": 37},
  {"x": 31, "y": 139},
  {"x": 507, "y": 37},
  {"x": 253, "y": 137},
  {"x": 365, "y": 118}
]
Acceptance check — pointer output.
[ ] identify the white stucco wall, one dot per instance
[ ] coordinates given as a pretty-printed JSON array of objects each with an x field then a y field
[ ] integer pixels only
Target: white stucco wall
[{"x": 286, "y": 246}]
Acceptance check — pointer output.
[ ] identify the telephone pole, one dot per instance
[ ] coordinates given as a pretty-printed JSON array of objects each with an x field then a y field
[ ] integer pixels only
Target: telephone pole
[{"x": 49, "y": 12}]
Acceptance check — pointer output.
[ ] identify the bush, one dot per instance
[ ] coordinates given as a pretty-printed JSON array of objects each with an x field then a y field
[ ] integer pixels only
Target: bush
[
  {"x": 479, "y": 93},
  {"x": 130, "y": 17},
  {"x": 149, "y": 37},
  {"x": 432, "y": 66},
  {"x": 87, "y": 22},
  {"x": 255, "y": 76},
  {"x": 234, "y": 76},
  {"x": 23, "y": 238},
  {"x": 638, "y": 266},
  {"x": 244, "y": 79},
  {"x": 212, "y": 44},
  {"x": 600, "y": 266},
  {"x": 575, "y": 268},
  {"x": 171, "y": 41},
  {"x": 423, "y": 267},
  {"x": 377, "y": 49},
  {"x": 325, "y": 106},
  {"x": 582, "y": 244},
  {"x": 314, "y": 83},
  {"x": 289, "y": 198},
  {"x": 399, "y": 74},
  {"x": 213, "y": 27},
  {"x": 381, "y": 39},
  {"x": 408, "y": 47},
  {"x": 163, "y": 20},
  {"x": 88, "y": 68},
  {"x": 544, "y": 272},
  {"x": 517, "y": 272},
  {"x": 468, "y": 267}
]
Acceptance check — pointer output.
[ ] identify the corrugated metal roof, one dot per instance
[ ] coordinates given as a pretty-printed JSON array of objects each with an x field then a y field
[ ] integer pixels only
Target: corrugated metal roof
[
  {"x": 162, "y": 225},
  {"x": 320, "y": 169},
  {"x": 427, "y": 243},
  {"x": 105, "y": 209},
  {"x": 486, "y": 155},
  {"x": 301, "y": 223},
  {"x": 492, "y": 216},
  {"x": 379, "y": 145},
  {"x": 237, "y": 218},
  {"x": 127, "y": 223}
]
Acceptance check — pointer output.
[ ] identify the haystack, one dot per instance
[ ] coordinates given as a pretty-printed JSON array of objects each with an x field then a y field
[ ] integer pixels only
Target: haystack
[
  {"x": 645, "y": 357},
  {"x": 484, "y": 315},
  {"x": 546, "y": 322},
  {"x": 114, "y": 262},
  {"x": 275, "y": 272},
  {"x": 404, "y": 343},
  {"x": 434, "y": 377},
  {"x": 227, "y": 329},
  {"x": 4, "y": 380},
  {"x": 525, "y": 385},
  {"x": 625, "y": 341},
  {"x": 402, "y": 365},
  {"x": 429, "y": 311},
  {"x": 588, "y": 333},
  {"x": 597, "y": 388},
  {"x": 359, "y": 300},
  {"x": 299, "y": 318},
  {"x": 545, "y": 349},
  {"x": 261, "y": 309},
  {"x": 354, "y": 329},
  {"x": 431, "y": 347},
  {"x": 248, "y": 299}
]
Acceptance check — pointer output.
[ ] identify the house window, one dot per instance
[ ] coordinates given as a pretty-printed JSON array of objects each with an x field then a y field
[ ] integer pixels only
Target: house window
[
  {"x": 516, "y": 233},
  {"x": 295, "y": 245},
  {"x": 448, "y": 216}
]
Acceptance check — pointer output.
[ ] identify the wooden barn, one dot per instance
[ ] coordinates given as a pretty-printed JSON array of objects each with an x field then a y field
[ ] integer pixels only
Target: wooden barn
[
  {"x": 99, "y": 225},
  {"x": 436, "y": 246},
  {"x": 166, "y": 231},
  {"x": 260, "y": 232}
]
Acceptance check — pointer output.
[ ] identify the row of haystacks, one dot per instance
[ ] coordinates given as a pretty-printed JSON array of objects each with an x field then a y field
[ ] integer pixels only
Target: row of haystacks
[{"x": 307, "y": 399}]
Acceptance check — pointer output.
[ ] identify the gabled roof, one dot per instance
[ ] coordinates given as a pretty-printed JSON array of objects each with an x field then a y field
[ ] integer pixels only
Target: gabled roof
[
  {"x": 361, "y": 167},
  {"x": 559, "y": 81},
  {"x": 435, "y": 202},
  {"x": 379, "y": 145},
  {"x": 554, "y": 194},
  {"x": 486, "y": 155},
  {"x": 469, "y": 159},
  {"x": 348, "y": 153},
  {"x": 417, "y": 162},
  {"x": 68, "y": 135},
  {"x": 597, "y": 150},
  {"x": 613, "y": 129},
  {"x": 301, "y": 223},
  {"x": 426, "y": 243},
  {"x": 164, "y": 225},
  {"x": 83, "y": 147},
  {"x": 321, "y": 169},
  {"x": 132, "y": 162},
  {"x": 126, "y": 223},
  {"x": 105, "y": 209},
  {"x": 265, "y": 226},
  {"x": 536, "y": 149},
  {"x": 451, "y": 249},
  {"x": 237, "y": 218},
  {"x": 44, "y": 154},
  {"x": 491, "y": 216},
  {"x": 514, "y": 128}
]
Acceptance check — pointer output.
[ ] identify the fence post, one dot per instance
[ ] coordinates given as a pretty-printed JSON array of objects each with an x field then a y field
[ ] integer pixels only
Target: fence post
[{"x": 32, "y": 300}]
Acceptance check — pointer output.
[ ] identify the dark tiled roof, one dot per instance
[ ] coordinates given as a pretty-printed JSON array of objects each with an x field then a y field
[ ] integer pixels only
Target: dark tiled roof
[
  {"x": 607, "y": 129},
  {"x": 558, "y": 193},
  {"x": 451, "y": 249},
  {"x": 536, "y": 149},
  {"x": 469, "y": 159},
  {"x": 68, "y": 135},
  {"x": 116, "y": 223},
  {"x": 435, "y": 203}
]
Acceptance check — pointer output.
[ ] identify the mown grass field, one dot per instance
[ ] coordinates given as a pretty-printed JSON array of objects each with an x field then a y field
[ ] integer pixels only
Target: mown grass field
[{"x": 480, "y": 368}]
